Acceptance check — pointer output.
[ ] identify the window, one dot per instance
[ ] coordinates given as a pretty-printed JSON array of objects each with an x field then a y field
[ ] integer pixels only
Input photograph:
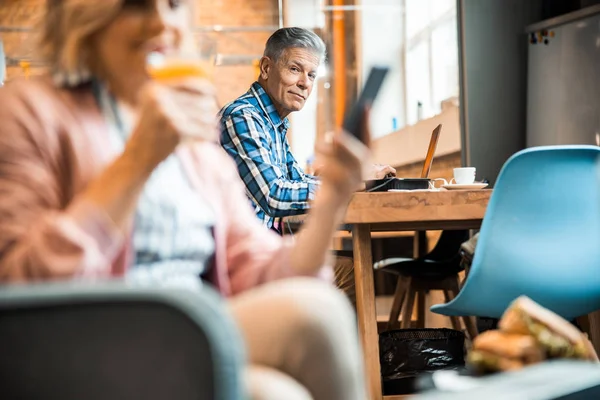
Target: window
[
  {"x": 418, "y": 40},
  {"x": 444, "y": 61},
  {"x": 382, "y": 44},
  {"x": 418, "y": 83},
  {"x": 431, "y": 56}
]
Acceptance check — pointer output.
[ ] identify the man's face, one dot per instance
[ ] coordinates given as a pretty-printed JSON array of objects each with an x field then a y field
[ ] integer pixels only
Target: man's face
[{"x": 289, "y": 81}]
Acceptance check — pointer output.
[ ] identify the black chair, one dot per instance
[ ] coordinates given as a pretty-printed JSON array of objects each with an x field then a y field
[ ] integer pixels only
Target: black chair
[
  {"x": 110, "y": 341},
  {"x": 437, "y": 270}
]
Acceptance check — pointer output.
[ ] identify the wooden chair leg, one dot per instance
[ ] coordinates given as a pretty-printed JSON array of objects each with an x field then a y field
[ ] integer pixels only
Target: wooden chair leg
[
  {"x": 454, "y": 320},
  {"x": 584, "y": 324},
  {"x": 471, "y": 327},
  {"x": 408, "y": 309},
  {"x": 421, "y": 309},
  {"x": 591, "y": 326},
  {"x": 401, "y": 289},
  {"x": 467, "y": 320}
]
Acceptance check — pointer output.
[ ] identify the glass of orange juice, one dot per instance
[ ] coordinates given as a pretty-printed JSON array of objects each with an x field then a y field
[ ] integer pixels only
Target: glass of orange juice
[{"x": 199, "y": 63}]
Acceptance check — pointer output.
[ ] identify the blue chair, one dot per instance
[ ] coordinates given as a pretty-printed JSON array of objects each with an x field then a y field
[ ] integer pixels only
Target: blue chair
[
  {"x": 540, "y": 236},
  {"x": 109, "y": 341}
]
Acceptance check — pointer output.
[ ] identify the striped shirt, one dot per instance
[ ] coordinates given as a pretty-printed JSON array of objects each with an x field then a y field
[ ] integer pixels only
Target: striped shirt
[
  {"x": 172, "y": 236},
  {"x": 254, "y": 134}
]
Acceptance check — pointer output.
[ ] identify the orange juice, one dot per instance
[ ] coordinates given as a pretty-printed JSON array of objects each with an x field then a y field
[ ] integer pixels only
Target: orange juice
[{"x": 173, "y": 69}]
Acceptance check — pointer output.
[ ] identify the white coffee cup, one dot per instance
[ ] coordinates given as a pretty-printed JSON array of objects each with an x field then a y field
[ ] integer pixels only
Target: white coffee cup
[{"x": 464, "y": 176}]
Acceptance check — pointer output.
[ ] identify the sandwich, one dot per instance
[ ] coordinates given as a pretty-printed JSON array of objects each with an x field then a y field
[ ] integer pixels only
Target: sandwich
[
  {"x": 500, "y": 351},
  {"x": 527, "y": 334},
  {"x": 558, "y": 337}
]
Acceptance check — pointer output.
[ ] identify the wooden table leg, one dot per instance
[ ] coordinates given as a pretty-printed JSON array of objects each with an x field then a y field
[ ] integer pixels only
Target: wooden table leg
[{"x": 365, "y": 305}]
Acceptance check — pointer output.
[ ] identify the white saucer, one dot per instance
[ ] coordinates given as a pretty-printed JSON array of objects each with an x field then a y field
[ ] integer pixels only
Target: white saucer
[{"x": 468, "y": 186}]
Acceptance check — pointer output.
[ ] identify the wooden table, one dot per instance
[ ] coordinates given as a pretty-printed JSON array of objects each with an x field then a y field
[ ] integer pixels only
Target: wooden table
[{"x": 399, "y": 211}]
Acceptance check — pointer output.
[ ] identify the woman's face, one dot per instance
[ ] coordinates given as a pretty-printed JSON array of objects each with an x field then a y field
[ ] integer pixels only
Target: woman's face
[{"x": 141, "y": 27}]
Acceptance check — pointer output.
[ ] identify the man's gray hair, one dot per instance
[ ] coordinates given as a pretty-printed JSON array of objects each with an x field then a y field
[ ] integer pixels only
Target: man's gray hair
[{"x": 286, "y": 38}]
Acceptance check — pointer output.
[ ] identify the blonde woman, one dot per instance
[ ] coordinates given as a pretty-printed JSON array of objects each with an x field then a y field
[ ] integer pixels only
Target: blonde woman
[{"x": 96, "y": 182}]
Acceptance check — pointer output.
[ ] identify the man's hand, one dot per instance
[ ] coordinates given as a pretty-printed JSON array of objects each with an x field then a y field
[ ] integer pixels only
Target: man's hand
[{"x": 378, "y": 171}]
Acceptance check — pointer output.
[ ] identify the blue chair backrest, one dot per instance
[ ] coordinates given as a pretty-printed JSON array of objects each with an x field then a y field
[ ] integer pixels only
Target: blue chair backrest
[{"x": 540, "y": 236}]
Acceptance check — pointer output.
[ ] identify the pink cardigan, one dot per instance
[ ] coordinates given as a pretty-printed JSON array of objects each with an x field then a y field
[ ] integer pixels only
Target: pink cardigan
[{"x": 52, "y": 143}]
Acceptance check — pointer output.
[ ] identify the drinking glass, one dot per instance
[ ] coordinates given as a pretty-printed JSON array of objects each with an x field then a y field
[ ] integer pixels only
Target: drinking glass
[{"x": 199, "y": 63}]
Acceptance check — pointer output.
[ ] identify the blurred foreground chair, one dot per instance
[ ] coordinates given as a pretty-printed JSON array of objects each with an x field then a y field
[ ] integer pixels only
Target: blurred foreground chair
[
  {"x": 540, "y": 236},
  {"x": 109, "y": 341}
]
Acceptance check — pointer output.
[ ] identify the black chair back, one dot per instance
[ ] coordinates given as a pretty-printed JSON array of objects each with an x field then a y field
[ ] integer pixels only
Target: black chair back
[{"x": 448, "y": 245}]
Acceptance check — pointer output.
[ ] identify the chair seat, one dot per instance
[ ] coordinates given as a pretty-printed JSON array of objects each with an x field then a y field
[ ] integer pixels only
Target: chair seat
[
  {"x": 424, "y": 268},
  {"x": 389, "y": 261}
]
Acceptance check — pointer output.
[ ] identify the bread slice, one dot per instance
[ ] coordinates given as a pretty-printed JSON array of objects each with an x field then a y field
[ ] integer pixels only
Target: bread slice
[
  {"x": 510, "y": 345},
  {"x": 500, "y": 351}
]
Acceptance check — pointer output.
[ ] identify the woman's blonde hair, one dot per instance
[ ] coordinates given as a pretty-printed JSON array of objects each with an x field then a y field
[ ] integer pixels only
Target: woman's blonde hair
[{"x": 66, "y": 29}]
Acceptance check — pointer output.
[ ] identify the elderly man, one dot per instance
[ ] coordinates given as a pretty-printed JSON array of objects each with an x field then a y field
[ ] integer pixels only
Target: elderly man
[{"x": 254, "y": 126}]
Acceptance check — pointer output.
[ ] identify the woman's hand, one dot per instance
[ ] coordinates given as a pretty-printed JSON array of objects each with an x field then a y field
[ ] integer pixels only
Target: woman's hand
[
  {"x": 170, "y": 113},
  {"x": 342, "y": 158},
  {"x": 167, "y": 114},
  {"x": 344, "y": 162}
]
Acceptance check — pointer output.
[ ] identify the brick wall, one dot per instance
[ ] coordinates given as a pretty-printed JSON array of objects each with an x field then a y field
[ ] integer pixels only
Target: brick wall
[
  {"x": 19, "y": 13},
  {"x": 231, "y": 80}
]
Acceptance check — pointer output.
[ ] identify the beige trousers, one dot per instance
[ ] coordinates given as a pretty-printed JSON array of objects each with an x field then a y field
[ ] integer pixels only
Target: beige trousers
[{"x": 301, "y": 340}]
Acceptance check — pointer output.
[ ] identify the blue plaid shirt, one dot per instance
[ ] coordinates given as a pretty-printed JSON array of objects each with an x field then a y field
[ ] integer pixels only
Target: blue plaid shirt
[{"x": 254, "y": 134}]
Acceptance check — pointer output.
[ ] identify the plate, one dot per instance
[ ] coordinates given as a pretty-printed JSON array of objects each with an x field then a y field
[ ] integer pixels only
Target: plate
[{"x": 469, "y": 186}]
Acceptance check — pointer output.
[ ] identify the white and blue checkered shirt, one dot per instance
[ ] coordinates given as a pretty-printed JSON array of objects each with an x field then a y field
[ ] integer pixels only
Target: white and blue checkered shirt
[
  {"x": 172, "y": 236},
  {"x": 253, "y": 133}
]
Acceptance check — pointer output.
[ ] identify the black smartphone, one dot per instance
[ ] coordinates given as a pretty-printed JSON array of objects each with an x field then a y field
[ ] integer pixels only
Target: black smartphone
[{"x": 353, "y": 118}]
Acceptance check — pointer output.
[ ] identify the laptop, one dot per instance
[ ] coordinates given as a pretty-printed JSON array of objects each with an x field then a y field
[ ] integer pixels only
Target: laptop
[{"x": 385, "y": 184}]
